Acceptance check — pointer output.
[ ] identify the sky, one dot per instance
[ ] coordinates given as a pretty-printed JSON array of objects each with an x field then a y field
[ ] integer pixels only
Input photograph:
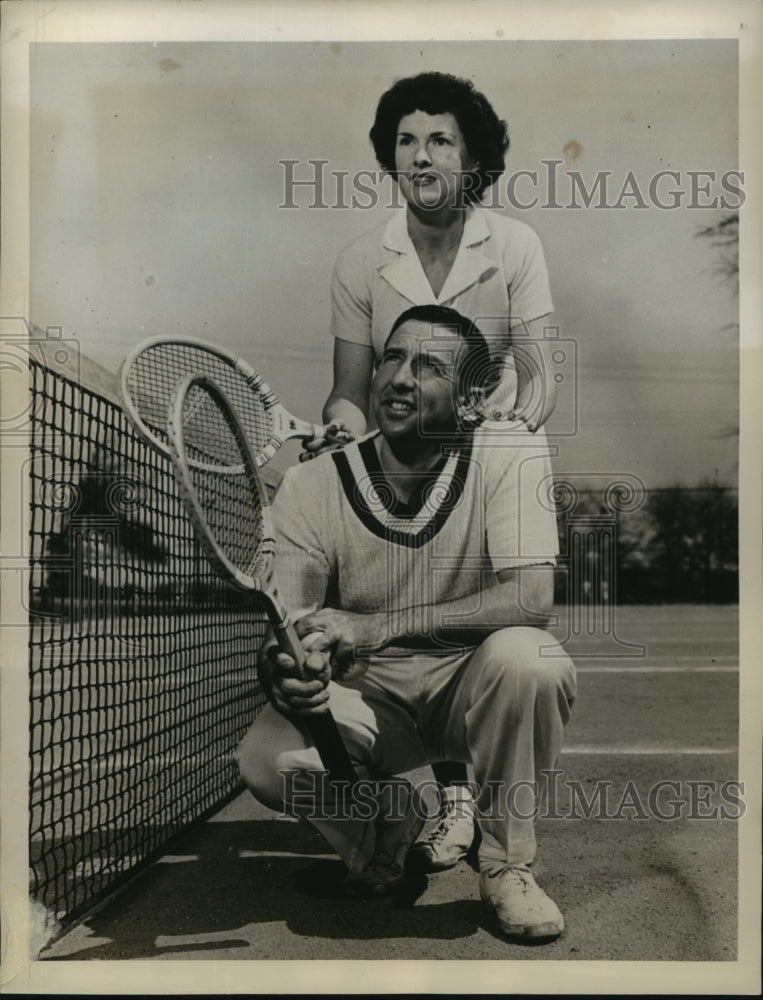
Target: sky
[{"x": 157, "y": 187}]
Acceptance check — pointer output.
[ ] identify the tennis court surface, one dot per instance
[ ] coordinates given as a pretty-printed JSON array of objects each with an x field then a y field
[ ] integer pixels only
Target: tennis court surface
[{"x": 639, "y": 850}]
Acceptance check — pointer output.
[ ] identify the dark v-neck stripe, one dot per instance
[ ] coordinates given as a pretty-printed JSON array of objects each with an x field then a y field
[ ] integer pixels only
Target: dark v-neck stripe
[
  {"x": 447, "y": 495},
  {"x": 385, "y": 490}
]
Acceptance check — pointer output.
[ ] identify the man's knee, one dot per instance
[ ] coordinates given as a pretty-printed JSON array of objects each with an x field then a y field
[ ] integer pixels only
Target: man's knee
[
  {"x": 271, "y": 748},
  {"x": 525, "y": 655}
]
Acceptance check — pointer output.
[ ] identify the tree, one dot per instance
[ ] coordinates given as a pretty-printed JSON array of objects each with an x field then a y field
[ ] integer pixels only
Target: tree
[
  {"x": 694, "y": 549},
  {"x": 724, "y": 236}
]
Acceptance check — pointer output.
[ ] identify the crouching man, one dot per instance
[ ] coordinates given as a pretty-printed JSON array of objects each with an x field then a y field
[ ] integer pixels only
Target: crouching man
[{"x": 419, "y": 563}]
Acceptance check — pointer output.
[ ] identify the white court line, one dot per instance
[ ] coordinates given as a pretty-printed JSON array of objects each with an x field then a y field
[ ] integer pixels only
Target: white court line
[
  {"x": 647, "y": 751},
  {"x": 667, "y": 640},
  {"x": 702, "y": 669},
  {"x": 672, "y": 658},
  {"x": 286, "y": 854},
  {"x": 177, "y": 859}
]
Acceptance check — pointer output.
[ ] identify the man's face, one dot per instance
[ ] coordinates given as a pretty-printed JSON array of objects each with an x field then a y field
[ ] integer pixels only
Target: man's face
[{"x": 413, "y": 391}]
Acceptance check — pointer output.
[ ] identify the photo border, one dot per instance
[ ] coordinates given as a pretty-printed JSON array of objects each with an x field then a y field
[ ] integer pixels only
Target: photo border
[{"x": 333, "y": 20}]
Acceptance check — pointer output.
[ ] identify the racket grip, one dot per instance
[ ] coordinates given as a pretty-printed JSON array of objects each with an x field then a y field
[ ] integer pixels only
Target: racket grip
[
  {"x": 330, "y": 745},
  {"x": 322, "y": 728},
  {"x": 290, "y": 644}
]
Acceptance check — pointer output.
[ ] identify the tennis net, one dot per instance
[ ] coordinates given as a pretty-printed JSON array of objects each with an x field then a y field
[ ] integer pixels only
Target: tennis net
[{"x": 142, "y": 663}]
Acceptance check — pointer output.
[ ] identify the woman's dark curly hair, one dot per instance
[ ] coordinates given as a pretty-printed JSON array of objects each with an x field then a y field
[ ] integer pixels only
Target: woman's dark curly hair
[{"x": 485, "y": 135}]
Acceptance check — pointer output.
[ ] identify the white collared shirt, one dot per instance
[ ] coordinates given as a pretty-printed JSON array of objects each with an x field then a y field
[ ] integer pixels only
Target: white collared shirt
[{"x": 498, "y": 279}]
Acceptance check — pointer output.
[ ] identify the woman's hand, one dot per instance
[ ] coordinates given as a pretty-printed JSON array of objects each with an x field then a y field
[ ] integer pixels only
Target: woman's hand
[
  {"x": 536, "y": 404},
  {"x": 337, "y": 436}
]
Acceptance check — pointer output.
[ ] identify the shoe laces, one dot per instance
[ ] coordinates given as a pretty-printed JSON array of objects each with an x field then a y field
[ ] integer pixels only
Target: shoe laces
[
  {"x": 519, "y": 874},
  {"x": 440, "y": 832}
]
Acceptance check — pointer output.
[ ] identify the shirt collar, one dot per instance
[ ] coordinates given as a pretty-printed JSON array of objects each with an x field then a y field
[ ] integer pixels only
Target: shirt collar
[
  {"x": 396, "y": 231},
  {"x": 405, "y": 273}
]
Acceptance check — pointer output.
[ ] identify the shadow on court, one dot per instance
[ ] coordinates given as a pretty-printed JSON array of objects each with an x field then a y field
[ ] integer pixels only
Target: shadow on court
[
  {"x": 257, "y": 887},
  {"x": 234, "y": 876},
  {"x": 645, "y": 872}
]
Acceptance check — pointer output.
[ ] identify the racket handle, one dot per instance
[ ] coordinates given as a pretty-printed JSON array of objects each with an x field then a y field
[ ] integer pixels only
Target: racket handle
[
  {"x": 333, "y": 753},
  {"x": 322, "y": 728}
]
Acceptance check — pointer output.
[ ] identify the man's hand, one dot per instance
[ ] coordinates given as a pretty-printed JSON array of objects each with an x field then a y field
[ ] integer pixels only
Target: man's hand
[
  {"x": 345, "y": 633},
  {"x": 290, "y": 693}
]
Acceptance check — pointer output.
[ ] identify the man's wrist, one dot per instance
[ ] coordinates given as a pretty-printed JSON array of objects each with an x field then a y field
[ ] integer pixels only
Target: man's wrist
[{"x": 376, "y": 633}]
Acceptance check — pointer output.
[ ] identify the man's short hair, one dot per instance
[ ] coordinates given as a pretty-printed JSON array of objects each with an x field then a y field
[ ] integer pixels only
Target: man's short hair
[{"x": 477, "y": 370}]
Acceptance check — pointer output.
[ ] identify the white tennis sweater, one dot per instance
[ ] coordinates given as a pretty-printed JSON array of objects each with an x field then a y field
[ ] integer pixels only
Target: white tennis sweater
[{"x": 344, "y": 541}]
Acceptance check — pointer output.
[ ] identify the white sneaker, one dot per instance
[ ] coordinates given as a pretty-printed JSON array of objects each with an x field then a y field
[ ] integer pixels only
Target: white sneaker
[
  {"x": 522, "y": 907},
  {"x": 451, "y": 837}
]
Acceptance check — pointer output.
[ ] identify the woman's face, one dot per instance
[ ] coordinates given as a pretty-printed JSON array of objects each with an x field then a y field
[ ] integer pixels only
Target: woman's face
[{"x": 432, "y": 161}]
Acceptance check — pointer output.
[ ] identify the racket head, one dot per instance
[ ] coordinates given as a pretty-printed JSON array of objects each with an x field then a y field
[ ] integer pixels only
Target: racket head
[
  {"x": 152, "y": 370},
  {"x": 217, "y": 475}
]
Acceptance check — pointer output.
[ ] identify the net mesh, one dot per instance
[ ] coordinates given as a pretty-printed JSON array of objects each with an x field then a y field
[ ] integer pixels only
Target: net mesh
[
  {"x": 224, "y": 485},
  {"x": 142, "y": 661}
]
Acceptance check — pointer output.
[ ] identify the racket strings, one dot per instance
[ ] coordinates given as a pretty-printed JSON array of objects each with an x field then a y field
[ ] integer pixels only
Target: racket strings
[
  {"x": 227, "y": 489},
  {"x": 156, "y": 371}
]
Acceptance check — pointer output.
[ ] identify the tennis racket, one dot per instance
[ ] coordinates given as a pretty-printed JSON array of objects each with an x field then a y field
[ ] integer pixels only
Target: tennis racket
[
  {"x": 216, "y": 470},
  {"x": 153, "y": 368}
]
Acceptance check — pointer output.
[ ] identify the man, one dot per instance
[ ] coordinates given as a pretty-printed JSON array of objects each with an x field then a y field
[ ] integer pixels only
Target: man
[{"x": 418, "y": 563}]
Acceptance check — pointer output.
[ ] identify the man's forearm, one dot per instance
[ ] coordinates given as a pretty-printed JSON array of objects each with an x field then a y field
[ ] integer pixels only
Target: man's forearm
[{"x": 524, "y": 599}]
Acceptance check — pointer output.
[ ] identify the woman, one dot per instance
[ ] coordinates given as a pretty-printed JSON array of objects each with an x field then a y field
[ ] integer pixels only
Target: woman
[{"x": 444, "y": 145}]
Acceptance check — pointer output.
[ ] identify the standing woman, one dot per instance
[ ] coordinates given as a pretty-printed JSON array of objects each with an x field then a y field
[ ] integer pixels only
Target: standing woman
[{"x": 444, "y": 146}]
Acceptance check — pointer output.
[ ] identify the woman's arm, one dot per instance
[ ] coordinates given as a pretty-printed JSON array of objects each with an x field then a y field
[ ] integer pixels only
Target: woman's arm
[
  {"x": 346, "y": 408},
  {"x": 536, "y": 388},
  {"x": 348, "y": 400}
]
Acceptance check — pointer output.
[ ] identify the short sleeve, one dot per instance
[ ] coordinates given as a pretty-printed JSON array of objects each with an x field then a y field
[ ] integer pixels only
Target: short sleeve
[
  {"x": 351, "y": 297},
  {"x": 302, "y": 566},
  {"x": 520, "y": 519},
  {"x": 529, "y": 289}
]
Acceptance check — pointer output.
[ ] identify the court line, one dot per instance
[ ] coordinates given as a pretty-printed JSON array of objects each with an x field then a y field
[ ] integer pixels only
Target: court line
[
  {"x": 666, "y": 657},
  {"x": 622, "y": 669},
  {"x": 649, "y": 751},
  {"x": 286, "y": 854}
]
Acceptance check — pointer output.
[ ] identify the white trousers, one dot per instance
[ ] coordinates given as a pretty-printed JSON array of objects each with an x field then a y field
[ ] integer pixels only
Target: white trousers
[{"x": 501, "y": 707}]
